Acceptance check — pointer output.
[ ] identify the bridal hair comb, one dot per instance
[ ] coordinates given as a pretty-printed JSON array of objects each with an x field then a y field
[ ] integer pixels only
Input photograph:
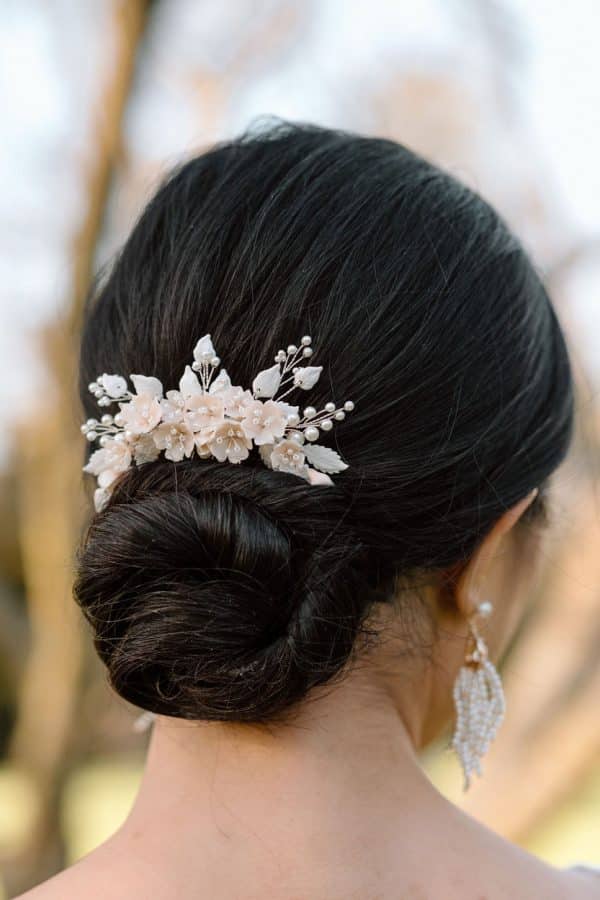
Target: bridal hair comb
[{"x": 211, "y": 417}]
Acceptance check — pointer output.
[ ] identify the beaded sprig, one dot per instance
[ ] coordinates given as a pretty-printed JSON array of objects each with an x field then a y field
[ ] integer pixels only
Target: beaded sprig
[{"x": 210, "y": 417}]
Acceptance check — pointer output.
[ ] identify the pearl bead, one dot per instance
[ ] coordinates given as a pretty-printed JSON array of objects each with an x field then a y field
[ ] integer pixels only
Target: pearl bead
[
  {"x": 104, "y": 440},
  {"x": 348, "y": 405},
  {"x": 326, "y": 424},
  {"x": 99, "y": 392},
  {"x": 306, "y": 340},
  {"x": 311, "y": 433},
  {"x": 293, "y": 418},
  {"x": 307, "y": 352},
  {"x": 485, "y": 609},
  {"x": 330, "y": 407},
  {"x": 106, "y": 420},
  {"x": 297, "y": 437},
  {"x": 309, "y": 412},
  {"x": 340, "y": 415},
  {"x": 93, "y": 387},
  {"x": 84, "y": 428},
  {"x": 292, "y": 348},
  {"x": 91, "y": 435},
  {"x": 215, "y": 361},
  {"x": 119, "y": 419}
]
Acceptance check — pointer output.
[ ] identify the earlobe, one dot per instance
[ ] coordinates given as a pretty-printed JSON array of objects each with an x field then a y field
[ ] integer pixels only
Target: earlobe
[{"x": 469, "y": 583}]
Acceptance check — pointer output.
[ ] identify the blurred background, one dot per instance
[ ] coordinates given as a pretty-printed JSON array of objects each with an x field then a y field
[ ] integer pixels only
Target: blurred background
[{"x": 99, "y": 98}]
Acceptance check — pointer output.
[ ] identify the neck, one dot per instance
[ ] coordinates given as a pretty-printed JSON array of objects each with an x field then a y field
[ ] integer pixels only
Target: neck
[{"x": 349, "y": 749}]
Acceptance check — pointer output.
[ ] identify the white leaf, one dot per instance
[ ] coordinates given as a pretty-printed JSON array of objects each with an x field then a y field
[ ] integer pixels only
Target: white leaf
[
  {"x": 307, "y": 376},
  {"x": 315, "y": 477},
  {"x": 114, "y": 385},
  {"x": 204, "y": 350},
  {"x": 189, "y": 384},
  {"x": 145, "y": 384},
  {"x": 324, "y": 458},
  {"x": 267, "y": 382},
  {"x": 221, "y": 383}
]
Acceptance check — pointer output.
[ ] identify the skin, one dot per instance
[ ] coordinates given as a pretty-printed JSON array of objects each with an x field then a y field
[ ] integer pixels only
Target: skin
[{"x": 333, "y": 804}]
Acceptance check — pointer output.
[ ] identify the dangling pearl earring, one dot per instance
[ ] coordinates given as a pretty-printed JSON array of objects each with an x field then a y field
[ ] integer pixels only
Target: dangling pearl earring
[{"x": 479, "y": 701}]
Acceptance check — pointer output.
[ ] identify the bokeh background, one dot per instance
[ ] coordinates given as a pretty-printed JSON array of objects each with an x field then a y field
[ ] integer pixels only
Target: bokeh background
[{"x": 98, "y": 98}]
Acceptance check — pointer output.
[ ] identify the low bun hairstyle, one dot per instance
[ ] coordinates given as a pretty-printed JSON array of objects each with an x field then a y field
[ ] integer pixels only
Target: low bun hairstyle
[
  {"x": 227, "y": 592},
  {"x": 208, "y": 583}
]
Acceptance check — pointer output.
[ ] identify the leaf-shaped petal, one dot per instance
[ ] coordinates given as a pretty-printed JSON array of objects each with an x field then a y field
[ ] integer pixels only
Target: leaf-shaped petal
[
  {"x": 145, "y": 384},
  {"x": 221, "y": 383},
  {"x": 324, "y": 458},
  {"x": 189, "y": 384},
  {"x": 306, "y": 377},
  {"x": 204, "y": 350},
  {"x": 267, "y": 382},
  {"x": 114, "y": 385}
]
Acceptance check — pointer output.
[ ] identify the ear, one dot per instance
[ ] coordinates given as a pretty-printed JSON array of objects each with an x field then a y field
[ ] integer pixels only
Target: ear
[{"x": 468, "y": 586}]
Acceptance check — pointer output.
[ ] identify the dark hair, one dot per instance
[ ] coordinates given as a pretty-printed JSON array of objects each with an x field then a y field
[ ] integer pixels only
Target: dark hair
[{"x": 220, "y": 591}]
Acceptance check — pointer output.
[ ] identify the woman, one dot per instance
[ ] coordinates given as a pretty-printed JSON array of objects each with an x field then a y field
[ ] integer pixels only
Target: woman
[{"x": 299, "y": 620}]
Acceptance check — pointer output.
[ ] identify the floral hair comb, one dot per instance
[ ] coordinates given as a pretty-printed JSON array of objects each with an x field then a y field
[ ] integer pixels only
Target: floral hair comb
[{"x": 211, "y": 417}]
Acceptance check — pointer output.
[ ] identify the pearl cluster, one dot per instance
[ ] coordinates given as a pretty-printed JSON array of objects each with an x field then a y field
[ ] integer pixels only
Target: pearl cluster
[
  {"x": 479, "y": 702},
  {"x": 102, "y": 428}
]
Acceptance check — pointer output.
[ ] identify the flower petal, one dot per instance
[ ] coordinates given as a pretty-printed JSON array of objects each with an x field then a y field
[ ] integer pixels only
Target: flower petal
[
  {"x": 267, "y": 382},
  {"x": 145, "y": 384}
]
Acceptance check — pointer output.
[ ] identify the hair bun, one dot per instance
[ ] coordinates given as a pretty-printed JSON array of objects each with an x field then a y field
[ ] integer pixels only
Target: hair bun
[{"x": 218, "y": 592}]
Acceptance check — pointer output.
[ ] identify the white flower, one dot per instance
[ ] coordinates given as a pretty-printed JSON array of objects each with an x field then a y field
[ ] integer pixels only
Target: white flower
[
  {"x": 145, "y": 384},
  {"x": 263, "y": 422},
  {"x": 204, "y": 412},
  {"x": 175, "y": 438},
  {"x": 114, "y": 385},
  {"x": 267, "y": 382},
  {"x": 109, "y": 461},
  {"x": 235, "y": 400},
  {"x": 140, "y": 414},
  {"x": 306, "y": 377},
  {"x": 229, "y": 442},
  {"x": 288, "y": 456}
]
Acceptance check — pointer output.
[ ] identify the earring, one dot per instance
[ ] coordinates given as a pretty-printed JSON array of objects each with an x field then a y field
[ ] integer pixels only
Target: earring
[{"x": 478, "y": 699}]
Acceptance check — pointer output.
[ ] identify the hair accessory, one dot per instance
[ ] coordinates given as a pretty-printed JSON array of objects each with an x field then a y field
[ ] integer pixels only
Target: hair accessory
[
  {"x": 211, "y": 417},
  {"x": 479, "y": 701}
]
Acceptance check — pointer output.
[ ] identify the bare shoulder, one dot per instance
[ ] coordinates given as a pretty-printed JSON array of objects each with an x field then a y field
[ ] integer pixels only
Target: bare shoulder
[{"x": 101, "y": 875}]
